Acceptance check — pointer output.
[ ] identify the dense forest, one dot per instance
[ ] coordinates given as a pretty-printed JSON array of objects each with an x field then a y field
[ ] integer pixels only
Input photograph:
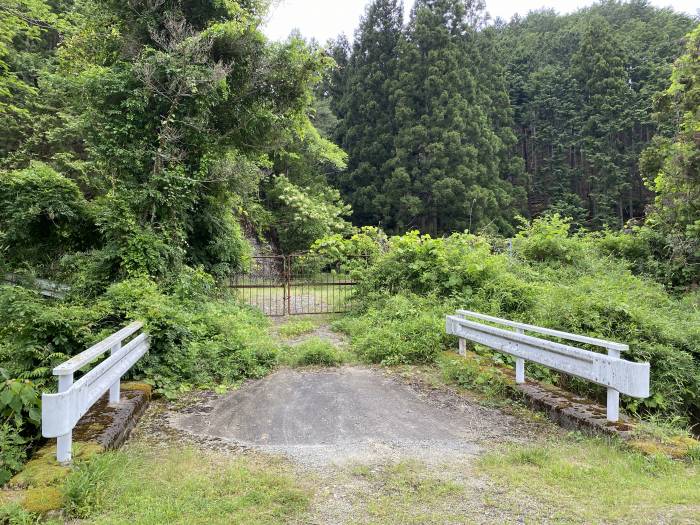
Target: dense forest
[
  {"x": 545, "y": 168},
  {"x": 452, "y": 122}
]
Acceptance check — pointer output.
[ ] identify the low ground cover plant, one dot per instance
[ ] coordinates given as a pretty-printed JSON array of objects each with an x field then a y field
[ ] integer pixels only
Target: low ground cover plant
[
  {"x": 296, "y": 327},
  {"x": 313, "y": 352},
  {"x": 596, "y": 481},
  {"x": 184, "y": 486}
]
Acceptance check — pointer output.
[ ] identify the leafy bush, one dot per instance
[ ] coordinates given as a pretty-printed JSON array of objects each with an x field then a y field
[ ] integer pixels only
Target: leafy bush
[
  {"x": 318, "y": 352},
  {"x": 673, "y": 260},
  {"x": 13, "y": 451},
  {"x": 547, "y": 239},
  {"x": 304, "y": 215},
  {"x": 369, "y": 242},
  {"x": 196, "y": 340},
  {"x": 398, "y": 330},
  {"x": 414, "y": 263},
  {"x": 42, "y": 215}
]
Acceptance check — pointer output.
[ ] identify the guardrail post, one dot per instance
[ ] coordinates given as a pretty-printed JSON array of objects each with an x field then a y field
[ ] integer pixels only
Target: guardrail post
[
  {"x": 519, "y": 364},
  {"x": 115, "y": 389},
  {"x": 463, "y": 347},
  {"x": 64, "y": 443},
  {"x": 613, "y": 405}
]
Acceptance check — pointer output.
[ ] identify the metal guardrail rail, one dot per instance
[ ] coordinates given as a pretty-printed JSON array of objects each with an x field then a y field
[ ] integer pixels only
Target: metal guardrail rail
[
  {"x": 61, "y": 412},
  {"x": 617, "y": 375},
  {"x": 43, "y": 286}
]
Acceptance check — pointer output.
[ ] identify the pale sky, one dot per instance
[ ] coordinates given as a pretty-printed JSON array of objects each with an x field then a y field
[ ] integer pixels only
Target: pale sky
[{"x": 324, "y": 19}]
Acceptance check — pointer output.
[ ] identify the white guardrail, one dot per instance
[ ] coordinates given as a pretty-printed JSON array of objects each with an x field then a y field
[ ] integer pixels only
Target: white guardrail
[
  {"x": 616, "y": 374},
  {"x": 61, "y": 412}
]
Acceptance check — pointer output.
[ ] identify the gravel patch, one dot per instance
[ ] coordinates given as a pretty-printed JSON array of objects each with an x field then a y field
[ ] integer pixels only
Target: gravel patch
[{"x": 350, "y": 414}]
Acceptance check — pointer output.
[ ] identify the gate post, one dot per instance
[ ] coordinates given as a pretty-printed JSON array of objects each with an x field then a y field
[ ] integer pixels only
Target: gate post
[{"x": 288, "y": 281}]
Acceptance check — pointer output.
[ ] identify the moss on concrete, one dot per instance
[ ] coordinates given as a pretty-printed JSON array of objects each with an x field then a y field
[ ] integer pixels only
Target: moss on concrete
[
  {"x": 41, "y": 500},
  {"x": 143, "y": 387},
  {"x": 44, "y": 470},
  {"x": 678, "y": 447}
]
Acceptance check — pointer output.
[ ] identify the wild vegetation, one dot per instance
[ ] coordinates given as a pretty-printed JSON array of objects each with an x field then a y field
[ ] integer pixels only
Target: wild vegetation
[
  {"x": 142, "y": 140},
  {"x": 138, "y": 140},
  {"x": 550, "y": 277}
]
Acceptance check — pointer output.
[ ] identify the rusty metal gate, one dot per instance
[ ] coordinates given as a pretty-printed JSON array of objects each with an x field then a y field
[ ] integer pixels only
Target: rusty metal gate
[{"x": 300, "y": 284}]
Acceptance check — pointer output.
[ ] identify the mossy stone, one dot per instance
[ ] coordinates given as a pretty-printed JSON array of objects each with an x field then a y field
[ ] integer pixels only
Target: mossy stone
[
  {"x": 680, "y": 447},
  {"x": 41, "y": 500},
  {"x": 41, "y": 471},
  {"x": 143, "y": 387},
  {"x": 44, "y": 470}
]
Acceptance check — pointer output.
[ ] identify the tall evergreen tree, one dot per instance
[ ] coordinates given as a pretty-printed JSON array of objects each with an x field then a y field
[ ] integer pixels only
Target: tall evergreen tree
[
  {"x": 448, "y": 171},
  {"x": 366, "y": 107},
  {"x": 604, "y": 86}
]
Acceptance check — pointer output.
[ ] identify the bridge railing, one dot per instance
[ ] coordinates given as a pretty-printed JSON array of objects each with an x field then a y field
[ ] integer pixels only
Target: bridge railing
[
  {"x": 61, "y": 412},
  {"x": 509, "y": 337}
]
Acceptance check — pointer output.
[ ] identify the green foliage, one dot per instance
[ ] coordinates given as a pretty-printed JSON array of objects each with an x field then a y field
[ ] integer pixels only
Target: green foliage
[
  {"x": 672, "y": 164},
  {"x": 318, "y": 352},
  {"x": 86, "y": 488},
  {"x": 456, "y": 265},
  {"x": 475, "y": 373},
  {"x": 556, "y": 280},
  {"x": 398, "y": 330},
  {"x": 296, "y": 328},
  {"x": 586, "y": 475},
  {"x": 42, "y": 215},
  {"x": 197, "y": 341},
  {"x": 363, "y": 87},
  {"x": 20, "y": 417},
  {"x": 367, "y": 241},
  {"x": 547, "y": 239},
  {"x": 424, "y": 115},
  {"x": 14, "y": 514},
  {"x": 582, "y": 86},
  {"x": 306, "y": 216},
  {"x": 161, "y": 121},
  {"x": 152, "y": 486},
  {"x": 13, "y": 451}
]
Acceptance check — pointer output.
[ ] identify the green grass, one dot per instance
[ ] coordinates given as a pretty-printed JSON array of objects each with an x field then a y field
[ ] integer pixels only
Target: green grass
[
  {"x": 296, "y": 327},
  {"x": 314, "y": 352},
  {"x": 173, "y": 486},
  {"x": 406, "y": 493},
  {"x": 585, "y": 480},
  {"x": 13, "y": 514}
]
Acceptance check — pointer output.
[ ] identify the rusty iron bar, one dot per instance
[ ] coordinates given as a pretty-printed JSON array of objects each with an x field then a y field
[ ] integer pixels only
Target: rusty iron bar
[{"x": 308, "y": 285}]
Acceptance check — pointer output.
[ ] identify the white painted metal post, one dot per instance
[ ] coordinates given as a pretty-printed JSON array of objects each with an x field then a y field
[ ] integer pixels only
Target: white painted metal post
[
  {"x": 519, "y": 364},
  {"x": 64, "y": 443},
  {"x": 115, "y": 389},
  {"x": 463, "y": 347},
  {"x": 613, "y": 404}
]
